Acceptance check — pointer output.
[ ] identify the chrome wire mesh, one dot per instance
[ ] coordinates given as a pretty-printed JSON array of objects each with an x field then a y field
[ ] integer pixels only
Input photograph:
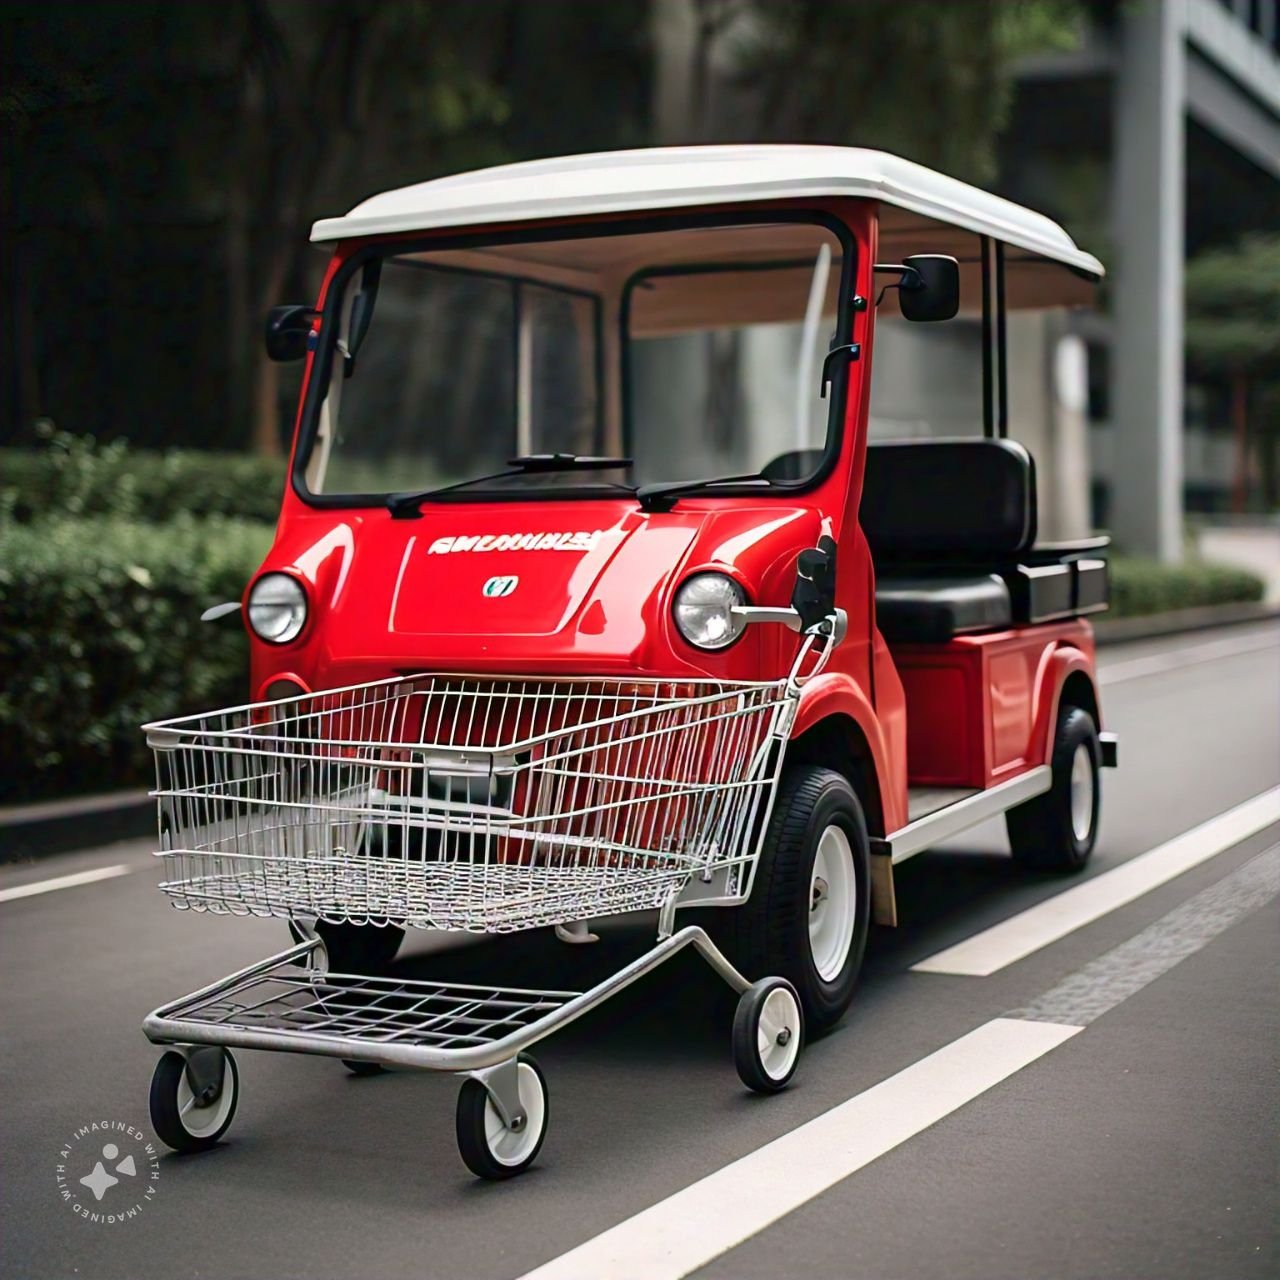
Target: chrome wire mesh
[
  {"x": 452, "y": 802},
  {"x": 293, "y": 999}
]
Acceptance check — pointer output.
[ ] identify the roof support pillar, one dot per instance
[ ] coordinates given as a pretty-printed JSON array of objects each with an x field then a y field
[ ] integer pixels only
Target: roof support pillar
[{"x": 1148, "y": 221}]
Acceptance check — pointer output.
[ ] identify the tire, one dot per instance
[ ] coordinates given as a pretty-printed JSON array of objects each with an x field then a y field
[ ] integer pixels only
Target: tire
[
  {"x": 768, "y": 1033},
  {"x": 186, "y": 1127},
  {"x": 356, "y": 948},
  {"x": 1056, "y": 831},
  {"x": 816, "y": 818},
  {"x": 488, "y": 1148}
]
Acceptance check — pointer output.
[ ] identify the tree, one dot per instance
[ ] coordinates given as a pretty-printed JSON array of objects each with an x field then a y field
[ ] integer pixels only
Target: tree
[
  {"x": 164, "y": 161},
  {"x": 1233, "y": 334},
  {"x": 851, "y": 72},
  {"x": 334, "y": 97}
]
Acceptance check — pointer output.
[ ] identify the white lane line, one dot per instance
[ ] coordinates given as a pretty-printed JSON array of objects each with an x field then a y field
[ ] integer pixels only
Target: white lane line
[
  {"x": 993, "y": 949},
  {"x": 687, "y": 1230},
  {"x": 63, "y": 882},
  {"x": 1157, "y": 663}
]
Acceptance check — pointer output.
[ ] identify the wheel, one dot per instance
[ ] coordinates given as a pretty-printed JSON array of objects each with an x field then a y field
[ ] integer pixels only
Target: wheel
[
  {"x": 768, "y": 1030},
  {"x": 182, "y": 1122},
  {"x": 1056, "y": 831},
  {"x": 488, "y": 1147},
  {"x": 358, "y": 1068},
  {"x": 810, "y": 906},
  {"x": 356, "y": 948}
]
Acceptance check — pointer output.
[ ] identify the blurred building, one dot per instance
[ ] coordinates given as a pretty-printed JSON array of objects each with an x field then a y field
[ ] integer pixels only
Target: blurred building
[{"x": 1168, "y": 118}]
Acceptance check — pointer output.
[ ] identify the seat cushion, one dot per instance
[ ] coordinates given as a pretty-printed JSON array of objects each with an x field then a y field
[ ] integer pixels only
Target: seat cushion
[{"x": 933, "y": 610}]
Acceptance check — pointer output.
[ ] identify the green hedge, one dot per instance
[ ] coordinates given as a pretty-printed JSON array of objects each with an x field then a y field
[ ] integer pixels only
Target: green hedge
[
  {"x": 75, "y": 476},
  {"x": 102, "y": 632},
  {"x": 1140, "y": 587}
]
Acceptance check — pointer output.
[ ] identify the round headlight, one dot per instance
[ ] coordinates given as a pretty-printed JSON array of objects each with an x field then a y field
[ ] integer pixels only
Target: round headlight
[
  {"x": 277, "y": 608},
  {"x": 704, "y": 610}
]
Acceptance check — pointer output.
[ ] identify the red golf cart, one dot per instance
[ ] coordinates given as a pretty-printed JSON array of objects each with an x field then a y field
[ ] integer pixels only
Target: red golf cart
[{"x": 591, "y": 595}]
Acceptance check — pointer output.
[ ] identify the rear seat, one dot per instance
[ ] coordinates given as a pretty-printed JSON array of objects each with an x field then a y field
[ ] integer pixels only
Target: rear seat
[
  {"x": 952, "y": 528},
  {"x": 933, "y": 610}
]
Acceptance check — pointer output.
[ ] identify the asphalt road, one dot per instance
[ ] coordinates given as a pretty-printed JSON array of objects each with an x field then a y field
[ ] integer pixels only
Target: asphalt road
[{"x": 1141, "y": 1146}]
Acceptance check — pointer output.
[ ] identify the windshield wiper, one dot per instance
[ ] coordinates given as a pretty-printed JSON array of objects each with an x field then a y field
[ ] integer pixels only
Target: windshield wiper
[
  {"x": 662, "y": 497},
  {"x": 405, "y": 505}
]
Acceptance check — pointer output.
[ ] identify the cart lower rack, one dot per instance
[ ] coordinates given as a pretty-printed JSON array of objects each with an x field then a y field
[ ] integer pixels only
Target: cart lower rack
[{"x": 459, "y": 804}]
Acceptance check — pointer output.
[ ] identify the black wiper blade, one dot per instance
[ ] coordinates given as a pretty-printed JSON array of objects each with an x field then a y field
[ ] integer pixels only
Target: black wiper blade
[
  {"x": 662, "y": 497},
  {"x": 406, "y": 504}
]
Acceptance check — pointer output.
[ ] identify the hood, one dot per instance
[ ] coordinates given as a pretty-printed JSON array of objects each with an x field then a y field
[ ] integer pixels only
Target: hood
[
  {"x": 506, "y": 571},
  {"x": 535, "y": 583}
]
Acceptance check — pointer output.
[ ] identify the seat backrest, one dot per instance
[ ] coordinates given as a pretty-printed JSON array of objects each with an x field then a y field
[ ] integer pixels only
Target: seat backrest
[{"x": 958, "y": 499}]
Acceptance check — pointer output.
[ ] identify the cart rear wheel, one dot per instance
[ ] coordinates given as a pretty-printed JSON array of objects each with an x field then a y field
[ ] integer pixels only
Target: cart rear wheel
[
  {"x": 358, "y": 1068},
  {"x": 768, "y": 1030},
  {"x": 184, "y": 1121},
  {"x": 1056, "y": 831},
  {"x": 809, "y": 911},
  {"x": 489, "y": 1147}
]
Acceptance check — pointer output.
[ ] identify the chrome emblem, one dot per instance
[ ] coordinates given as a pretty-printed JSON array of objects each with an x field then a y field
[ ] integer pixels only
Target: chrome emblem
[{"x": 496, "y": 587}]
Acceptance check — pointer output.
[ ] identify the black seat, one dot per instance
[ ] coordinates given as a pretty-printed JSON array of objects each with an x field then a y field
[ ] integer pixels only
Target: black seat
[
  {"x": 952, "y": 529},
  {"x": 933, "y": 610}
]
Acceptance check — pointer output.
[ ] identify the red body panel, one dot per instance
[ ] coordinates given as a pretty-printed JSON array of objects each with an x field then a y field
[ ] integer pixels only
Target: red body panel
[
  {"x": 390, "y": 596},
  {"x": 981, "y": 708}
]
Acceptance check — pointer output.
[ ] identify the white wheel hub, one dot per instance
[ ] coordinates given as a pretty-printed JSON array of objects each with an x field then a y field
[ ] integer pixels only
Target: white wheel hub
[
  {"x": 778, "y": 1033},
  {"x": 202, "y": 1121},
  {"x": 514, "y": 1146},
  {"x": 1082, "y": 785},
  {"x": 833, "y": 903}
]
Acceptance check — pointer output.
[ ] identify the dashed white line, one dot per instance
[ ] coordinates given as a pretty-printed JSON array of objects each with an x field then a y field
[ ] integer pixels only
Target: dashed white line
[
  {"x": 63, "y": 882},
  {"x": 690, "y": 1228},
  {"x": 993, "y": 949}
]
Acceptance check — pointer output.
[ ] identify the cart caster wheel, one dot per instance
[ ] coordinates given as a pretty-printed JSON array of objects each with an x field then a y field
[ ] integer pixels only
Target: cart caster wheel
[
  {"x": 183, "y": 1121},
  {"x": 768, "y": 1029},
  {"x": 363, "y": 1068},
  {"x": 488, "y": 1147}
]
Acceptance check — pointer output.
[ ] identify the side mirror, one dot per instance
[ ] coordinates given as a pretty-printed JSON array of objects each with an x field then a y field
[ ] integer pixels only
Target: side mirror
[
  {"x": 814, "y": 596},
  {"x": 288, "y": 329},
  {"x": 930, "y": 287}
]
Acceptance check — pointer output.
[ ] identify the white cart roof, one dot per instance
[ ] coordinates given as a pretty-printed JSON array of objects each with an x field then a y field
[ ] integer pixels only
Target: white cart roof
[{"x": 684, "y": 177}]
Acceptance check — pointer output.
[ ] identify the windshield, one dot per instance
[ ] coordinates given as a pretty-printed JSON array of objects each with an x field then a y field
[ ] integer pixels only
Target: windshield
[{"x": 693, "y": 353}]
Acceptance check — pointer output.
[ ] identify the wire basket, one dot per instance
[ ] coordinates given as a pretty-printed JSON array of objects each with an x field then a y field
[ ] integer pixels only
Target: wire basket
[{"x": 466, "y": 803}]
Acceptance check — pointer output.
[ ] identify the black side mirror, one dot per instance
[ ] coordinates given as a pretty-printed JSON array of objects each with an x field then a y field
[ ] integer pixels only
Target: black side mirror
[
  {"x": 814, "y": 596},
  {"x": 288, "y": 329},
  {"x": 930, "y": 287}
]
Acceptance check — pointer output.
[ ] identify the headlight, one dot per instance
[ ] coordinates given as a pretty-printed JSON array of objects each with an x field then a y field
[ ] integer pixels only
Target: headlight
[
  {"x": 704, "y": 610},
  {"x": 277, "y": 608}
]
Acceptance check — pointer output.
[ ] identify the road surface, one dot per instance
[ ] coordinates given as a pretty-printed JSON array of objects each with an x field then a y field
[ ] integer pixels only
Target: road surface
[{"x": 957, "y": 1125}]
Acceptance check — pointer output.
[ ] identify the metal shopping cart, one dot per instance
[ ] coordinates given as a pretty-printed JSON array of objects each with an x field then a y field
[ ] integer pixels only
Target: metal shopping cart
[{"x": 460, "y": 803}]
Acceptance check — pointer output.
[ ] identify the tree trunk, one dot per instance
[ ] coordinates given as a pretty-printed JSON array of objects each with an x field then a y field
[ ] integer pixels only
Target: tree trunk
[
  {"x": 266, "y": 408},
  {"x": 266, "y": 373}
]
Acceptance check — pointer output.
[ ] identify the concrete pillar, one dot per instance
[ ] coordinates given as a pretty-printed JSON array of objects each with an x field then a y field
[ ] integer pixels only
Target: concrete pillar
[
  {"x": 1146, "y": 353},
  {"x": 1048, "y": 395}
]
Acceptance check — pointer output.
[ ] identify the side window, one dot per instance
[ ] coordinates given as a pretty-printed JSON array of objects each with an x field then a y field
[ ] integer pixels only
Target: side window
[{"x": 926, "y": 379}]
